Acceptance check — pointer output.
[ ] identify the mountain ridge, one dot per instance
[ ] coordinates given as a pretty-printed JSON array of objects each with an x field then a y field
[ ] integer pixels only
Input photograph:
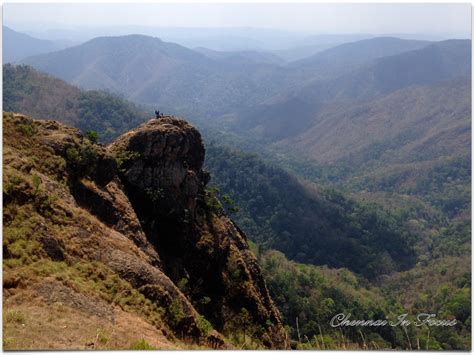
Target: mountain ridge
[{"x": 17, "y": 45}]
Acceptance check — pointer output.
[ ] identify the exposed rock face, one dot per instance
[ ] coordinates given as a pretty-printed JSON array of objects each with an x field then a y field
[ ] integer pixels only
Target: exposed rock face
[
  {"x": 134, "y": 212},
  {"x": 200, "y": 248}
]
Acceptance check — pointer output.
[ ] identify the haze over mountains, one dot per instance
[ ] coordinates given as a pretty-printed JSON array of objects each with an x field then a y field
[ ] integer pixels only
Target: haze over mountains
[
  {"x": 148, "y": 70},
  {"x": 18, "y": 45},
  {"x": 434, "y": 63},
  {"x": 294, "y": 44},
  {"x": 304, "y": 108}
]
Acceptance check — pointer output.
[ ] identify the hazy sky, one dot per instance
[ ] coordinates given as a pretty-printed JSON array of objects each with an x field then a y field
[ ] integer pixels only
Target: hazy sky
[{"x": 452, "y": 19}]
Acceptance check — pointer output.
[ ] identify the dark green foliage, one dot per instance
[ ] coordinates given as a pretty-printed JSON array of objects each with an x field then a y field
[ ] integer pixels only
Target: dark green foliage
[
  {"x": 107, "y": 114},
  {"x": 27, "y": 129},
  {"x": 82, "y": 161},
  {"x": 230, "y": 204},
  {"x": 154, "y": 194},
  {"x": 311, "y": 226},
  {"x": 91, "y": 135},
  {"x": 41, "y": 96},
  {"x": 212, "y": 201},
  {"x": 455, "y": 239}
]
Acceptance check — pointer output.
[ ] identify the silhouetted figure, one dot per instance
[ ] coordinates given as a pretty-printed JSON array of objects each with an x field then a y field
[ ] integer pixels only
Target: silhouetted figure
[{"x": 157, "y": 114}]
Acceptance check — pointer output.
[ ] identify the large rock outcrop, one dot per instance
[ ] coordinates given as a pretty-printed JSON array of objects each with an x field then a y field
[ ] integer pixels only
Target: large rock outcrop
[
  {"x": 131, "y": 227},
  {"x": 199, "y": 246}
]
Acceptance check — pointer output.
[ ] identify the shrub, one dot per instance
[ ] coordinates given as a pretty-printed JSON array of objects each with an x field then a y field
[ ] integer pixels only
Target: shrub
[
  {"x": 212, "y": 201},
  {"x": 83, "y": 161},
  {"x": 92, "y": 136},
  {"x": 154, "y": 194},
  {"x": 27, "y": 129},
  {"x": 175, "y": 313},
  {"x": 15, "y": 316},
  {"x": 103, "y": 337},
  {"x": 125, "y": 156},
  {"x": 204, "y": 325},
  {"x": 141, "y": 344}
]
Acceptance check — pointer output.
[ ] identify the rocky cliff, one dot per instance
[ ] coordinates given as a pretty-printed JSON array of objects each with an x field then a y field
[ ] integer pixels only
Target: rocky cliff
[{"x": 124, "y": 243}]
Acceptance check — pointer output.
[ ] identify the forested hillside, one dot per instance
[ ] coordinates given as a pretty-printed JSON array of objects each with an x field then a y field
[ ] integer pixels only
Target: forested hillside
[
  {"x": 42, "y": 96},
  {"x": 309, "y": 224},
  {"x": 309, "y": 296}
]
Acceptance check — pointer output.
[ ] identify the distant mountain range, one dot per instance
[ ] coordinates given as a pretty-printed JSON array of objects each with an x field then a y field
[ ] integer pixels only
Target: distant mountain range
[
  {"x": 413, "y": 97},
  {"x": 434, "y": 63},
  {"x": 17, "y": 46},
  {"x": 349, "y": 55},
  {"x": 149, "y": 70}
]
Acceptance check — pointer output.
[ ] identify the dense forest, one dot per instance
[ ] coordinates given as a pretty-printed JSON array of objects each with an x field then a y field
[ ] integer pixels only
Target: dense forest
[{"x": 310, "y": 225}]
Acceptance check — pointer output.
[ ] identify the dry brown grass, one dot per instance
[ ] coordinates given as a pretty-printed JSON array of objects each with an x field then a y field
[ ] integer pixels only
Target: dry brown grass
[{"x": 37, "y": 325}]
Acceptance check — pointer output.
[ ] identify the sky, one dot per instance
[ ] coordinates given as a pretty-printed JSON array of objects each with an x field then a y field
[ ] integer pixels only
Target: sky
[{"x": 447, "y": 19}]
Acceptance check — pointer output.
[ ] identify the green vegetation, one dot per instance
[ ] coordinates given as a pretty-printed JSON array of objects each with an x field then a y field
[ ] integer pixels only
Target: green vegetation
[
  {"x": 204, "y": 325},
  {"x": 92, "y": 136},
  {"x": 175, "y": 313},
  {"x": 308, "y": 225},
  {"x": 107, "y": 114},
  {"x": 126, "y": 156},
  {"x": 212, "y": 200},
  {"x": 82, "y": 160},
  {"x": 309, "y": 296},
  {"x": 98, "y": 113},
  {"x": 27, "y": 129},
  {"x": 15, "y": 316},
  {"x": 141, "y": 344}
]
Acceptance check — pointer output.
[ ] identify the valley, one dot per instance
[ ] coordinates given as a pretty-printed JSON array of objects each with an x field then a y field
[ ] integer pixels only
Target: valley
[{"x": 335, "y": 183}]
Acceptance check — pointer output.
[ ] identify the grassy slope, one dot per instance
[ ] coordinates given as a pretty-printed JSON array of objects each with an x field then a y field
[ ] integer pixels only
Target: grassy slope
[{"x": 53, "y": 264}]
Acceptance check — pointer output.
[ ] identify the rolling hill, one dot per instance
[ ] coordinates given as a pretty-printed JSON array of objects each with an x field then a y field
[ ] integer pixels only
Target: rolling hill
[
  {"x": 413, "y": 141},
  {"x": 413, "y": 124},
  {"x": 202, "y": 82},
  {"x": 148, "y": 70},
  {"x": 274, "y": 118},
  {"x": 347, "y": 56}
]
